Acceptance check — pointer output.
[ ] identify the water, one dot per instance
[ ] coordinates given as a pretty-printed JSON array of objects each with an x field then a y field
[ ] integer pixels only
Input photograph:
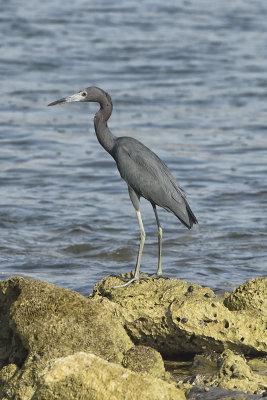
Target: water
[{"x": 189, "y": 79}]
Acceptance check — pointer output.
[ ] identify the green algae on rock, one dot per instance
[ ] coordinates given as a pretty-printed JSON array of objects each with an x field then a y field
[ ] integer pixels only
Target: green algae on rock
[
  {"x": 86, "y": 376},
  {"x": 174, "y": 317}
]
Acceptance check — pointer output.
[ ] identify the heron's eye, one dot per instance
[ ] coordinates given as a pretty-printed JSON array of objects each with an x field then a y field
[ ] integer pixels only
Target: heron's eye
[{"x": 84, "y": 94}]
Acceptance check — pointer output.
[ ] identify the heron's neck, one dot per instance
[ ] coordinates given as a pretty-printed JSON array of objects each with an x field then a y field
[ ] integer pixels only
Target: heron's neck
[{"x": 104, "y": 136}]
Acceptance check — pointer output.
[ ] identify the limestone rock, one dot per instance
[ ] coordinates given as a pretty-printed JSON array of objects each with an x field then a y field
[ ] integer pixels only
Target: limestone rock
[
  {"x": 40, "y": 321},
  {"x": 232, "y": 373},
  {"x": 251, "y": 295},
  {"x": 215, "y": 393},
  {"x": 235, "y": 374},
  {"x": 85, "y": 376},
  {"x": 144, "y": 359},
  {"x": 175, "y": 317}
]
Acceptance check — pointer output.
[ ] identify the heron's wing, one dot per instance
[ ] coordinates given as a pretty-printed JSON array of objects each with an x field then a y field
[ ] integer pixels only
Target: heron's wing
[
  {"x": 150, "y": 178},
  {"x": 146, "y": 173}
]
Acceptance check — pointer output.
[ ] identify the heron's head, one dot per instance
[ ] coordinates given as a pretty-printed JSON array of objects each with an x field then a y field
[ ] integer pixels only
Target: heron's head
[{"x": 92, "y": 93}]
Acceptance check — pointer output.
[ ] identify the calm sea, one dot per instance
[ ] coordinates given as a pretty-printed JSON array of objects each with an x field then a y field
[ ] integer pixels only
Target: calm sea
[{"x": 188, "y": 79}]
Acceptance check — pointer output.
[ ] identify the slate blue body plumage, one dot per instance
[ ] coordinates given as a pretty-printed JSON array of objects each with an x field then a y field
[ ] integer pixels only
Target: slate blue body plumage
[
  {"x": 150, "y": 178},
  {"x": 144, "y": 172}
]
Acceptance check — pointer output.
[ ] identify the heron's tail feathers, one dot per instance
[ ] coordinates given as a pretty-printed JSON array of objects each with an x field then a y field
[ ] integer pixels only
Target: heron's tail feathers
[
  {"x": 187, "y": 217},
  {"x": 192, "y": 218}
]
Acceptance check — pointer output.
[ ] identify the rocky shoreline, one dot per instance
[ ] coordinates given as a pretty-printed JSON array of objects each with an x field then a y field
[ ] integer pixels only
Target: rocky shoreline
[{"x": 57, "y": 344}]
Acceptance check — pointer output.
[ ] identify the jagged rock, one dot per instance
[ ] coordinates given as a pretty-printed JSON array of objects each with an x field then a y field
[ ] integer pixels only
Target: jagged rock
[
  {"x": 40, "y": 321},
  {"x": 251, "y": 295},
  {"x": 215, "y": 393},
  {"x": 235, "y": 374},
  {"x": 175, "y": 317},
  {"x": 86, "y": 376}
]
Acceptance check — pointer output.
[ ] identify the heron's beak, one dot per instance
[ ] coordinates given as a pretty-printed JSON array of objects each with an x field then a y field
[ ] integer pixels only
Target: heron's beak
[{"x": 70, "y": 99}]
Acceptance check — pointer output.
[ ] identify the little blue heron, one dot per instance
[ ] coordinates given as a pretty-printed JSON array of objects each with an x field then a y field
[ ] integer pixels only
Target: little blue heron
[{"x": 143, "y": 171}]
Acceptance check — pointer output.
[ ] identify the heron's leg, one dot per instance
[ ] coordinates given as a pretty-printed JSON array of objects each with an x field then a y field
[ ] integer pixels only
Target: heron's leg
[
  {"x": 159, "y": 270},
  {"x": 141, "y": 246},
  {"x": 135, "y": 200}
]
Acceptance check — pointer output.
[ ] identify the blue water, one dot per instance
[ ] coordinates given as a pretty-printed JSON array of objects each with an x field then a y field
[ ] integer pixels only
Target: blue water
[{"x": 188, "y": 79}]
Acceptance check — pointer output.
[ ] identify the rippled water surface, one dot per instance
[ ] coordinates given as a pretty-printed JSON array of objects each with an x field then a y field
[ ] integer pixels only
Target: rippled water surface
[{"x": 188, "y": 79}]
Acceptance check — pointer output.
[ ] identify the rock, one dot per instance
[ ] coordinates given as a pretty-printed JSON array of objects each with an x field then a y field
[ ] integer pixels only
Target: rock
[
  {"x": 205, "y": 363},
  {"x": 215, "y": 393},
  {"x": 86, "y": 376},
  {"x": 232, "y": 378},
  {"x": 235, "y": 374},
  {"x": 252, "y": 295},
  {"x": 258, "y": 365},
  {"x": 40, "y": 321},
  {"x": 43, "y": 329},
  {"x": 175, "y": 317},
  {"x": 144, "y": 359},
  {"x": 7, "y": 372}
]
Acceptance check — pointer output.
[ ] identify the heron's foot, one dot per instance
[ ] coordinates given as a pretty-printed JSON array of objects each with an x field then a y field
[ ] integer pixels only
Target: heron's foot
[
  {"x": 158, "y": 276},
  {"x": 128, "y": 282}
]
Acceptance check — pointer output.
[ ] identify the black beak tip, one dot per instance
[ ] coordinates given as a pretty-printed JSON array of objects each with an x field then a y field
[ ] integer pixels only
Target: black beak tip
[{"x": 54, "y": 103}]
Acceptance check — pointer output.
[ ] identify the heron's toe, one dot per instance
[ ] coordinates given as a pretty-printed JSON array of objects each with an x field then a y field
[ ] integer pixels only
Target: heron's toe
[
  {"x": 157, "y": 276},
  {"x": 129, "y": 281}
]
